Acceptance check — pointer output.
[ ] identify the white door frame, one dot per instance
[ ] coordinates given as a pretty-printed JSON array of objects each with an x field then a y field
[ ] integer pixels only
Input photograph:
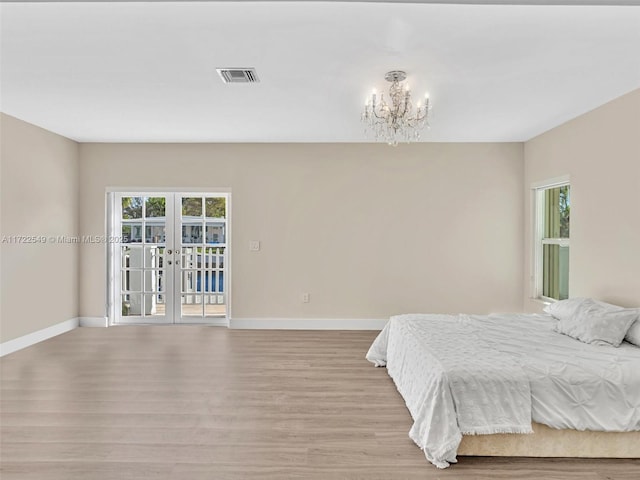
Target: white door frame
[{"x": 115, "y": 193}]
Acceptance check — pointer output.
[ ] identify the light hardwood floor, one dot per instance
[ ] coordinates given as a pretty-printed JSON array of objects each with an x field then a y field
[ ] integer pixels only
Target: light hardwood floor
[{"x": 211, "y": 403}]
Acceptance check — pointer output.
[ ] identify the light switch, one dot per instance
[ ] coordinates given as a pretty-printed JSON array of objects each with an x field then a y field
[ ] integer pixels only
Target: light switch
[{"x": 254, "y": 245}]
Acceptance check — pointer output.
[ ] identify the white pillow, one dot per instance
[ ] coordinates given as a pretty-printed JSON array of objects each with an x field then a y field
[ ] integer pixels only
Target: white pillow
[
  {"x": 564, "y": 308},
  {"x": 633, "y": 334},
  {"x": 591, "y": 321}
]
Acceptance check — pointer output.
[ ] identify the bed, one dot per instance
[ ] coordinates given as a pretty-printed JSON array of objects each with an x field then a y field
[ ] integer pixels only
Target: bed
[{"x": 510, "y": 385}]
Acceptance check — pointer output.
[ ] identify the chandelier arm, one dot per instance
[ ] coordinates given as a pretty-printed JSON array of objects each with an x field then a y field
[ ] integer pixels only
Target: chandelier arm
[
  {"x": 382, "y": 116},
  {"x": 375, "y": 114}
]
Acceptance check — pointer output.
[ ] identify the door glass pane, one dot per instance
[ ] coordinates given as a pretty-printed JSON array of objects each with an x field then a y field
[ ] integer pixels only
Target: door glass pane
[
  {"x": 192, "y": 207},
  {"x": 214, "y": 305},
  {"x": 220, "y": 282},
  {"x": 215, "y": 207},
  {"x": 213, "y": 257},
  {"x": 131, "y": 304},
  {"x": 132, "y": 280},
  {"x": 215, "y": 232},
  {"x": 132, "y": 257},
  {"x": 189, "y": 258},
  {"x": 191, "y": 305},
  {"x": 208, "y": 281},
  {"x": 220, "y": 257},
  {"x": 154, "y": 257},
  {"x": 154, "y": 305},
  {"x": 154, "y": 281},
  {"x": 154, "y": 207},
  {"x": 190, "y": 281},
  {"x": 154, "y": 233},
  {"x": 132, "y": 233},
  {"x": 213, "y": 281},
  {"x": 131, "y": 208},
  {"x": 210, "y": 259},
  {"x": 192, "y": 233}
]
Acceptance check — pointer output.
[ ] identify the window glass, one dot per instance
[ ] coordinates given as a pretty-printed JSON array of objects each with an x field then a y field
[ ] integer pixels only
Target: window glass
[
  {"x": 154, "y": 207},
  {"x": 215, "y": 207},
  {"x": 557, "y": 211},
  {"x": 555, "y": 203},
  {"x": 131, "y": 208},
  {"x": 192, "y": 207}
]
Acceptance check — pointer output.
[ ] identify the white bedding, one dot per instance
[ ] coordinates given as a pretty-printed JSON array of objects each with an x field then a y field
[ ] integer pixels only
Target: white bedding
[{"x": 572, "y": 384}]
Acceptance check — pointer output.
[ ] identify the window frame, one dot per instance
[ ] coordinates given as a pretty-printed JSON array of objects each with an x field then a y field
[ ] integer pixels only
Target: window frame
[{"x": 538, "y": 202}]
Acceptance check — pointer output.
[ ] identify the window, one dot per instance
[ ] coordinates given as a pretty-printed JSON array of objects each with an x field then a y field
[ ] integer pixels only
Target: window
[{"x": 553, "y": 208}]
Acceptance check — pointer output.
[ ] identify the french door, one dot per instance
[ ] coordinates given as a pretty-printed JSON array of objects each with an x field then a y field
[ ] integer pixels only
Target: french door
[{"x": 170, "y": 264}]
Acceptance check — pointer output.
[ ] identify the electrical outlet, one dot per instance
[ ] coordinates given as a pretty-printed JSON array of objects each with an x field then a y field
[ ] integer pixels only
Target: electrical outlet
[
  {"x": 305, "y": 297},
  {"x": 254, "y": 245}
]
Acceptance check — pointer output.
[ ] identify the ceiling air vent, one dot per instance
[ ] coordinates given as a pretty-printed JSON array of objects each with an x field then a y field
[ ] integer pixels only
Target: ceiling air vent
[{"x": 238, "y": 75}]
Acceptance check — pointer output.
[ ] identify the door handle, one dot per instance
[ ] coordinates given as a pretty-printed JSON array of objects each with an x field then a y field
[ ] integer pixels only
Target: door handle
[
  {"x": 177, "y": 252},
  {"x": 169, "y": 251},
  {"x": 169, "y": 262}
]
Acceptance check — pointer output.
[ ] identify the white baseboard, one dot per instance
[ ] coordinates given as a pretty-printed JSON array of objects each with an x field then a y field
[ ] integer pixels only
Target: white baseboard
[
  {"x": 32, "y": 338},
  {"x": 308, "y": 323},
  {"x": 94, "y": 321}
]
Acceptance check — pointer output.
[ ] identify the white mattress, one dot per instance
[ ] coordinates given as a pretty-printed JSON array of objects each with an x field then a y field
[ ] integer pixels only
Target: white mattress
[{"x": 572, "y": 385}]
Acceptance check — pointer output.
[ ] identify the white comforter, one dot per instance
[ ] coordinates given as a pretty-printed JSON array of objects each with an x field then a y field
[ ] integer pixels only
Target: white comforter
[{"x": 468, "y": 375}]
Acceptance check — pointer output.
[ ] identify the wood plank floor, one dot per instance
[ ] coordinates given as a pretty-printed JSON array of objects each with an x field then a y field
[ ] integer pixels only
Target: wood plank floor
[{"x": 211, "y": 403}]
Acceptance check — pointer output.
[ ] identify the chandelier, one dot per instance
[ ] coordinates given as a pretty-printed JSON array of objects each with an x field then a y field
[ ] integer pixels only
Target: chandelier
[{"x": 398, "y": 121}]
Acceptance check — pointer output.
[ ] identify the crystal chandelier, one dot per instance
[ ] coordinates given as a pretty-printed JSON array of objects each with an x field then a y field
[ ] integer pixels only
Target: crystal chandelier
[{"x": 398, "y": 122}]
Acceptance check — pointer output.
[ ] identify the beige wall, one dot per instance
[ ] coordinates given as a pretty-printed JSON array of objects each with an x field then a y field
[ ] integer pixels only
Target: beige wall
[
  {"x": 367, "y": 230},
  {"x": 39, "y": 196},
  {"x": 601, "y": 152}
]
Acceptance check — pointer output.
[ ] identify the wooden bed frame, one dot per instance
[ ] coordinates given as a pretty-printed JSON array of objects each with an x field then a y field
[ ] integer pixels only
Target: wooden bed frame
[{"x": 549, "y": 442}]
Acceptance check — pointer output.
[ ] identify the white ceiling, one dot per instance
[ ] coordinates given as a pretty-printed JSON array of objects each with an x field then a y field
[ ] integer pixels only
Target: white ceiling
[{"x": 145, "y": 72}]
